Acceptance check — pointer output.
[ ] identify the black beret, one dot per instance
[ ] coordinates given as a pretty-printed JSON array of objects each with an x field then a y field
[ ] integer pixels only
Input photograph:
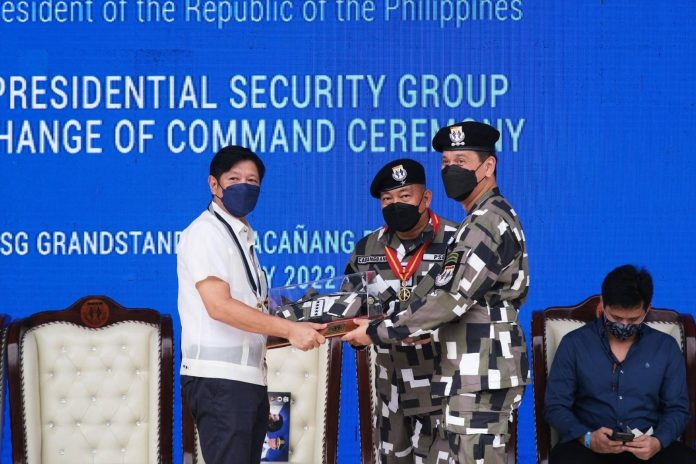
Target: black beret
[
  {"x": 396, "y": 174},
  {"x": 468, "y": 135}
]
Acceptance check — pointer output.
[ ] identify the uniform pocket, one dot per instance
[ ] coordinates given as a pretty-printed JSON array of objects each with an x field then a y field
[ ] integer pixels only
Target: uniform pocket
[{"x": 485, "y": 412}]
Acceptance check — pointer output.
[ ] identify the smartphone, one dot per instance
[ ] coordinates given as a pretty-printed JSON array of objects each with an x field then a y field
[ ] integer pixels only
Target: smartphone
[{"x": 618, "y": 435}]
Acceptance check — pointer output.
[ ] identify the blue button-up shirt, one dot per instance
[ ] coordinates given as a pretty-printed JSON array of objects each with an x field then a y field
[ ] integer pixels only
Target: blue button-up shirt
[{"x": 588, "y": 388}]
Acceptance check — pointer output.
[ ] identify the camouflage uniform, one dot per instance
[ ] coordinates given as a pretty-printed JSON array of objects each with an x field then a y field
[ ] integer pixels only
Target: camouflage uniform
[
  {"x": 403, "y": 375},
  {"x": 481, "y": 356}
]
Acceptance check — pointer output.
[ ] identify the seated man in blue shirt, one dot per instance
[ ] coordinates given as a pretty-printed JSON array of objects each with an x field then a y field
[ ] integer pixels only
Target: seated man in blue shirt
[{"x": 617, "y": 374}]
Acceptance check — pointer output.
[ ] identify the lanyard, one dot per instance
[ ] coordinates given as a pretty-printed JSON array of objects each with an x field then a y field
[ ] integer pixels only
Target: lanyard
[
  {"x": 405, "y": 272},
  {"x": 247, "y": 267}
]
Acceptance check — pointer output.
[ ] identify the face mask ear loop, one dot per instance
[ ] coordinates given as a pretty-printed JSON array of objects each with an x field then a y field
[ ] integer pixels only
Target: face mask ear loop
[
  {"x": 421, "y": 201},
  {"x": 217, "y": 182},
  {"x": 479, "y": 167}
]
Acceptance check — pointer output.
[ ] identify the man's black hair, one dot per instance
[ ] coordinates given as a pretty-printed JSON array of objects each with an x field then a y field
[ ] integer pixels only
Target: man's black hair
[
  {"x": 274, "y": 425},
  {"x": 627, "y": 287},
  {"x": 231, "y": 155}
]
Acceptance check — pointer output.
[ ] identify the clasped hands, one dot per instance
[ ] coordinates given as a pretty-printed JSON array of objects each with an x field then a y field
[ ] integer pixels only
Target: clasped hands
[{"x": 643, "y": 447}]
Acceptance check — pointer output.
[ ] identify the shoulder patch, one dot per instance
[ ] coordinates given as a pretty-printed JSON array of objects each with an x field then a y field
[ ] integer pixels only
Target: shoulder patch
[
  {"x": 445, "y": 276},
  {"x": 452, "y": 258}
]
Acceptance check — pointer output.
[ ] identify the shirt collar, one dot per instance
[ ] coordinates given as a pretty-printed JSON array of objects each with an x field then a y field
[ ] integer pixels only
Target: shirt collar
[
  {"x": 494, "y": 192},
  {"x": 237, "y": 225}
]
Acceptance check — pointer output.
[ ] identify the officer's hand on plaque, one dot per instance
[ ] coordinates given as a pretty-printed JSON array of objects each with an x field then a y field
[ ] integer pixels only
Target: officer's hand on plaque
[
  {"x": 304, "y": 335},
  {"x": 358, "y": 336}
]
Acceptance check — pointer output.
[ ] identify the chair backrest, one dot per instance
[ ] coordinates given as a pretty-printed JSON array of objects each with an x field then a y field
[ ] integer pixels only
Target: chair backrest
[
  {"x": 551, "y": 325},
  {"x": 367, "y": 406},
  {"x": 313, "y": 379},
  {"x": 91, "y": 383}
]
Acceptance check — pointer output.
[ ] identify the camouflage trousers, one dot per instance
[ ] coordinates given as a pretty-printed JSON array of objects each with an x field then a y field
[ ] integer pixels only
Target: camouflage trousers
[
  {"x": 474, "y": 429},
  {"x": 405, "y": 439}
]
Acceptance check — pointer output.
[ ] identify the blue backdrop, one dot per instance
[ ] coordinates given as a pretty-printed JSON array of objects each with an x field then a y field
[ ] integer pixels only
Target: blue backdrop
[{"x": 111, "y": 110}]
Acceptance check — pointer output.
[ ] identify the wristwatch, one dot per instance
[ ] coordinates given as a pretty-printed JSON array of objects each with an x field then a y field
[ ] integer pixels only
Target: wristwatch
[{"x": 588, "y": 437}]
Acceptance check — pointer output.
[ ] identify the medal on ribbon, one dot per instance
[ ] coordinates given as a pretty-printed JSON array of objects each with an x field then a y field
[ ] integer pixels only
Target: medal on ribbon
[
  {"x": 404, "y": 273},
  {"x": 404, "y": 292}
]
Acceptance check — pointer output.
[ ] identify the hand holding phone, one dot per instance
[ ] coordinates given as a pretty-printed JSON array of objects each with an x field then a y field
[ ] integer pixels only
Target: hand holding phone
[{"x": 618, "y": 435}]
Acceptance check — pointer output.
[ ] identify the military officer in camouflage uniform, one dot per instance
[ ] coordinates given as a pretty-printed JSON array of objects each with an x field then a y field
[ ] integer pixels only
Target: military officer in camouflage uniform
[
  {"x": 401, "y": 253},
  {"x": 471, "y": 313}
]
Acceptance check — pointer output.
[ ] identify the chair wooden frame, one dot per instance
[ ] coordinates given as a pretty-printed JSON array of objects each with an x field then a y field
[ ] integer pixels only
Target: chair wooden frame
[
  {"x": 4, "y": 321},
  {"x": 367, "y": 409},
  {"x": 366, "y": 406},
  {"x": 587, "y": 311},
  {"x": 75, "y": 315},
  {"x": 189, "y": 439}
]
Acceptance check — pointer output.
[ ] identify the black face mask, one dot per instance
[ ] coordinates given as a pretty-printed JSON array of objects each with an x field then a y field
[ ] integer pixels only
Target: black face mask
[
  {"x": 459, "y": 182},
  {"x": 402, "y": 217}
]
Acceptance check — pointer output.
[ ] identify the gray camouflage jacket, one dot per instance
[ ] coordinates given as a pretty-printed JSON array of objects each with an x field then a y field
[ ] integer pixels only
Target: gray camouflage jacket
[
  {"x": 403, "y": 371},
  {"x": 472, "y": 311}
]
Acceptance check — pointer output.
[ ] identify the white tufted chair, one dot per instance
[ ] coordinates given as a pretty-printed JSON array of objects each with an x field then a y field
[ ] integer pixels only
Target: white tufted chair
[
  {"x": 91, "y": 384},
  {"x": 313, "y": 379},
  {"x": 551, "y": 325}
]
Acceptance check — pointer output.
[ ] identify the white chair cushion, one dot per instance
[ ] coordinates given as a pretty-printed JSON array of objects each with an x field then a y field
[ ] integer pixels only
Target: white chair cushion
[
  {"x": 670, "y": 328},
  {"x": 91, "y": 395},
  {"x": 305, "y": 375},
  {"x": 555, "y": 330}
]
